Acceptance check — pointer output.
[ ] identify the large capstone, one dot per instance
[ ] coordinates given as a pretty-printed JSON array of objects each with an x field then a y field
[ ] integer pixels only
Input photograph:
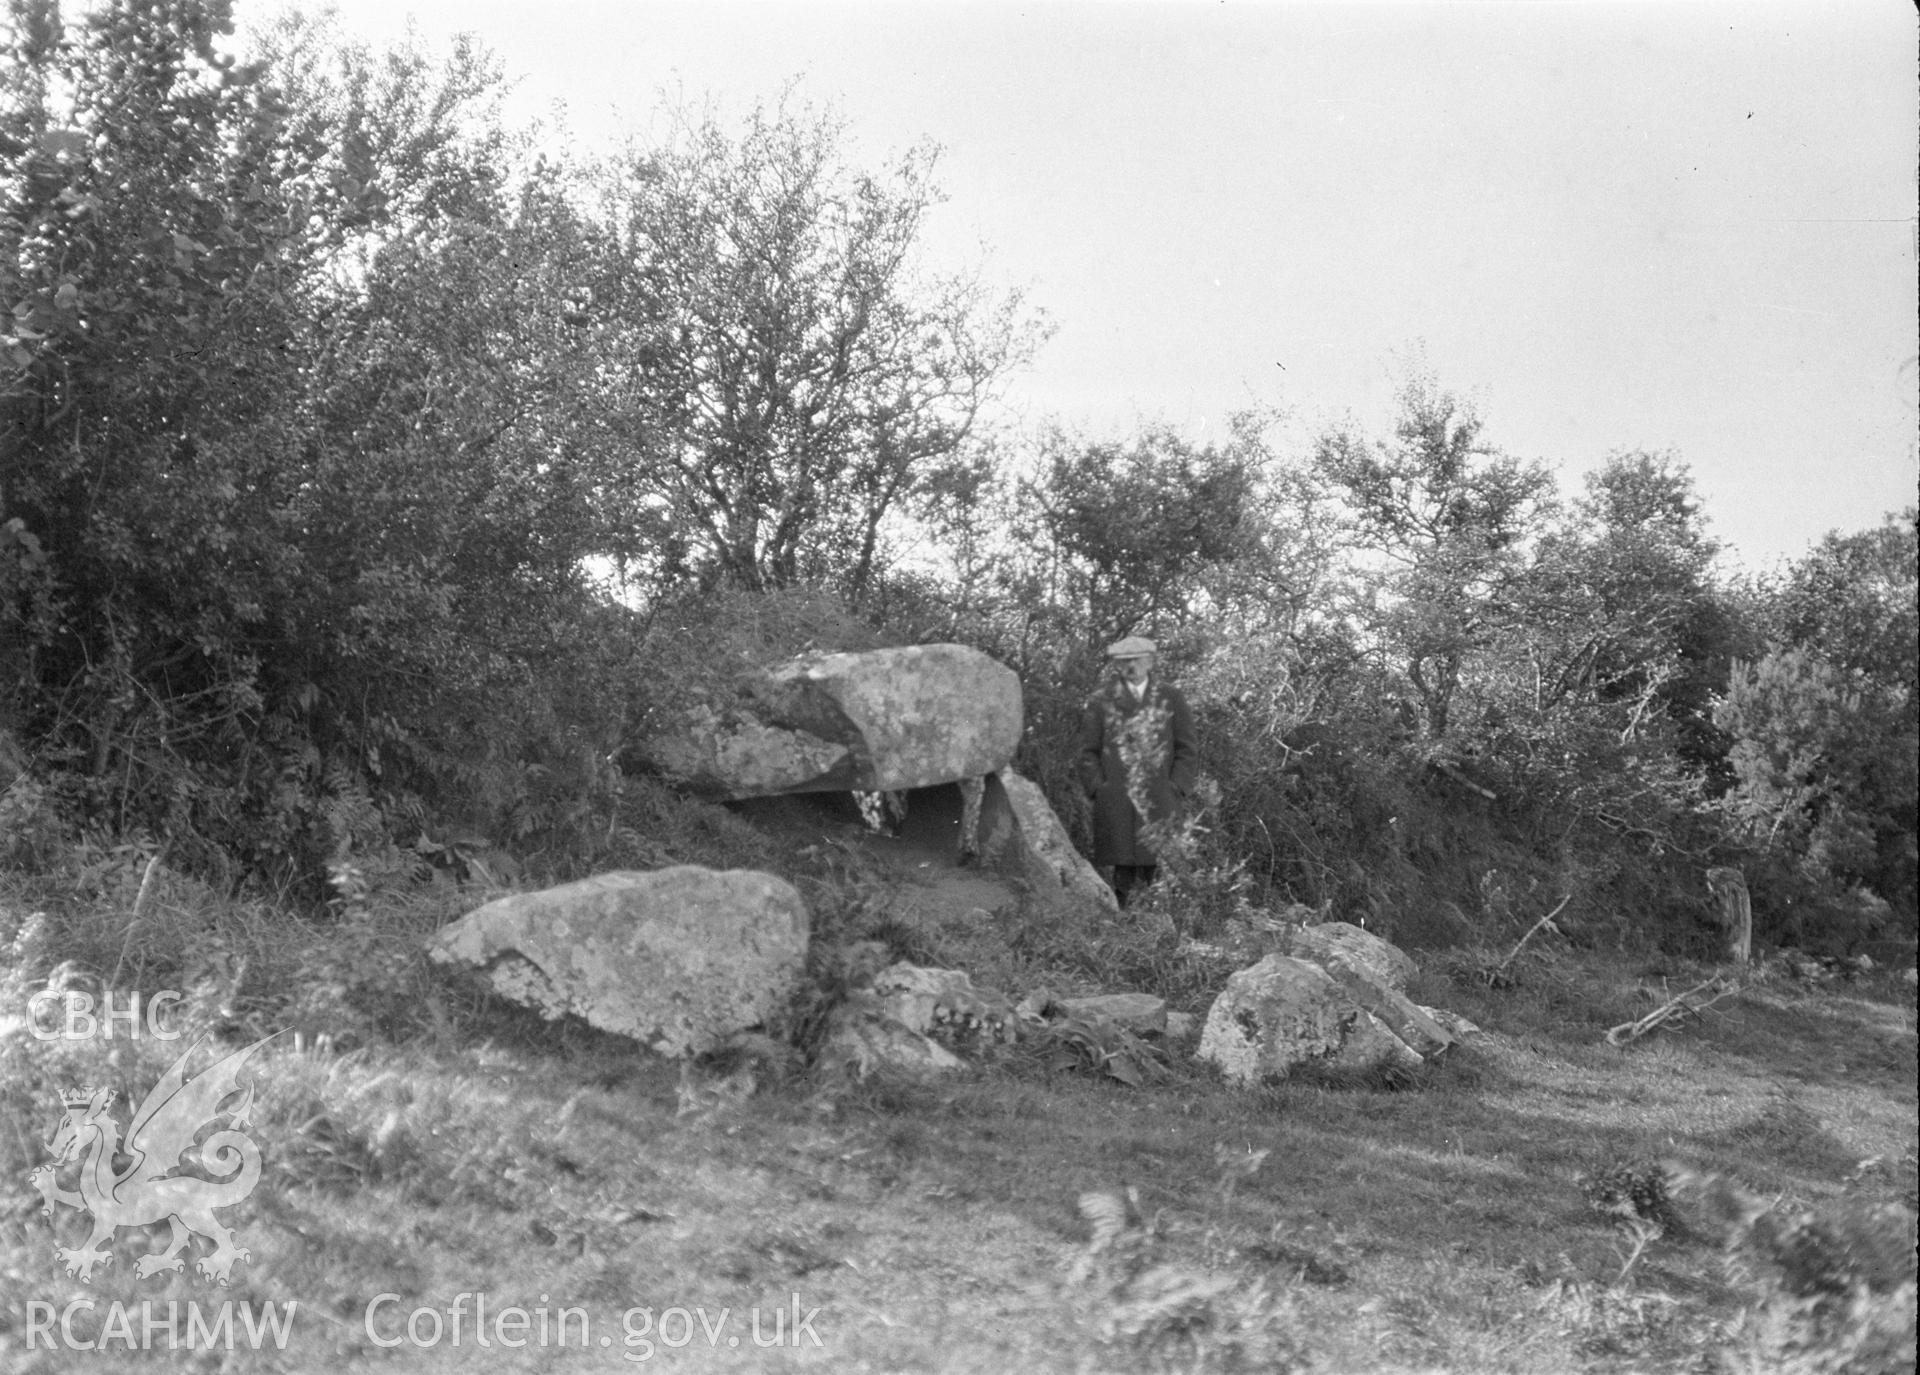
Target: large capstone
[
  {"x": 678, "y": 958},
  {"x": 881, "y": 721}
]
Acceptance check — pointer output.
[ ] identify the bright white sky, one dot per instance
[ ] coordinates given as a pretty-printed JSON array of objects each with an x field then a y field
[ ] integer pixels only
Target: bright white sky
[{"x": 1615, "y": 225}]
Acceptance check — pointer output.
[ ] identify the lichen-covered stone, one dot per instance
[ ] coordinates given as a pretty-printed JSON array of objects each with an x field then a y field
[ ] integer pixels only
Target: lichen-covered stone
[
  {"x": 915, "y": 1019},
  {"x": 1282, "y": 1013},
  {"x": 943, "y": 1003},
  {"x": 1045, "y": 850},
  {"x": 737, "y": 756},
  {"x": 1140, "y": 1013},
  {"x": 879, "y": 721},
  {"x": 1405, "y": 1019},
  {"x": 1339, "y": 940},
  {"x": 677, "y": 958},
  {"x": 1452, "y": 1023},
  {"x": 1375, "y": 975},
  {"x": 861, "y": 1045}
]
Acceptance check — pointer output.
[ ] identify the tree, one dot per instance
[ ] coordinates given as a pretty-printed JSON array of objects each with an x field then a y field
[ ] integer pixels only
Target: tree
[
  {"x": 1855, "y": 601},
  {"x": 153, "y": 268},
  {"x": 781, "y": 374},
  {"x": 1445, "y": 519},
  {"x": 1145, "y": 518},
  {"x": 1637, "y": 560},
  {"x": 1826, "y": 725},
  {"x": 1621, "y": 608},
  {"x": 1826, "y": 769}
]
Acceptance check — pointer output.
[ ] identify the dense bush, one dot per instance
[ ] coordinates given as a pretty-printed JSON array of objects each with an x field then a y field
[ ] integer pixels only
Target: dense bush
[
  {"x": 291, "y": 569},
  {"x": 369, "y": 482}
]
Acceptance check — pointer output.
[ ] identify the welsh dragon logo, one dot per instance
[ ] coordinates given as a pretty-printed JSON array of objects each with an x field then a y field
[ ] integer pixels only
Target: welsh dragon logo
[{"x": 146, "y": 1189}]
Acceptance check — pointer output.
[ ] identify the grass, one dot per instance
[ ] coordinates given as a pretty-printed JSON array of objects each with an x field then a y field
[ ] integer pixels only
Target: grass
[{"x": 1313, "y": 1226}]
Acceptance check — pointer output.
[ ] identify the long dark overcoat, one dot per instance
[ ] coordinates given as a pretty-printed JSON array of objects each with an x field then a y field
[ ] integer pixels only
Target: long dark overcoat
[{"x": 1168, "y": 735}]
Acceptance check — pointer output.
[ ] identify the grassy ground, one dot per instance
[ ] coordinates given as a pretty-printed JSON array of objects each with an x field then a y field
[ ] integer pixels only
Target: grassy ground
[{"x": 1021, "y": 1219}]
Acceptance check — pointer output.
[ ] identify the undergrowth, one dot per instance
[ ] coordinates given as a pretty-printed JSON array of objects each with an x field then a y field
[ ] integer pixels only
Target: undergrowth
[{"x": 1231, "y": 1230}]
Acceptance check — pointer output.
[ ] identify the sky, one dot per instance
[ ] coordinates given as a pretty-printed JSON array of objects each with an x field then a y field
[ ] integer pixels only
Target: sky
[{"x": 1681, "y": 225}]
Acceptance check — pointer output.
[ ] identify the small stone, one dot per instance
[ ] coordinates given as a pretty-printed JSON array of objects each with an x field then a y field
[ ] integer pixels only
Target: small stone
[
  {"x": 1034, "y": 1006},
  {"x": 1455, "y": 1025},
  {"x": 1141, "y": 1013}
]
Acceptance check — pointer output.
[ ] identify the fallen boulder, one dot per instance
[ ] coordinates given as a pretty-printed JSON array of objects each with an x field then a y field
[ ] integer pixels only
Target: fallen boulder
[
  {"x": 1282, "y": 1013},
  {"x": 677, "y": 958},
  {"x": 879, "y": 721}
]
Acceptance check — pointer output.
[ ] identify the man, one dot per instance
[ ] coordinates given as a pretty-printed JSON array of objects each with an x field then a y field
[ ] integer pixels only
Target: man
[{"x": 1137, "y": 759}]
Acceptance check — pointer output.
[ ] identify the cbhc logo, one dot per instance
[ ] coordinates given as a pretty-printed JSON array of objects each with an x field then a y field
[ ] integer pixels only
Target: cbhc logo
[{"x": 82, "y": 1023}]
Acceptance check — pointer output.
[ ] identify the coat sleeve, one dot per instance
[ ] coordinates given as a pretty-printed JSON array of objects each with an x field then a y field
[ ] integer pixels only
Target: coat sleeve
[
  {"x": 1184, "y": 769},
  {"x": 1089, "y": 765}
]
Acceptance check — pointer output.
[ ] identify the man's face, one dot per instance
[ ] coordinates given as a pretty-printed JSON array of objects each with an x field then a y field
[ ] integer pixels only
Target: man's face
[{"x": 1134, "y": 668}]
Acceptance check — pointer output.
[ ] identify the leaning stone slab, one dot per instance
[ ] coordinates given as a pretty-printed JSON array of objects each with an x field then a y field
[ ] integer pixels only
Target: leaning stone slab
[
  {"x": 1413, "y": 1024},
  {"x": 1374, "y": 974},
  {"x": 1371, "y": 1044},
  {"x": 1405, "y": 1019},
  {"x": 1042, "y": 844},
  {"x": 1342, "y": 941},
  {"x": 678, "y": 958},
  {"x": 1282, "y": 1013},
  {"x": 880, "y": 721}
]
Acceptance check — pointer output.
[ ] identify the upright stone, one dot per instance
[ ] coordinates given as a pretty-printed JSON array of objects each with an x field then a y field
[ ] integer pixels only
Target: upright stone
[{"x": 1021, "y": 831}]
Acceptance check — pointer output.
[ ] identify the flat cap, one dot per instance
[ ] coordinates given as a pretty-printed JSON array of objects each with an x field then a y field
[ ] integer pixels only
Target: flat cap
[{"x": 1131, "y": 648}]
